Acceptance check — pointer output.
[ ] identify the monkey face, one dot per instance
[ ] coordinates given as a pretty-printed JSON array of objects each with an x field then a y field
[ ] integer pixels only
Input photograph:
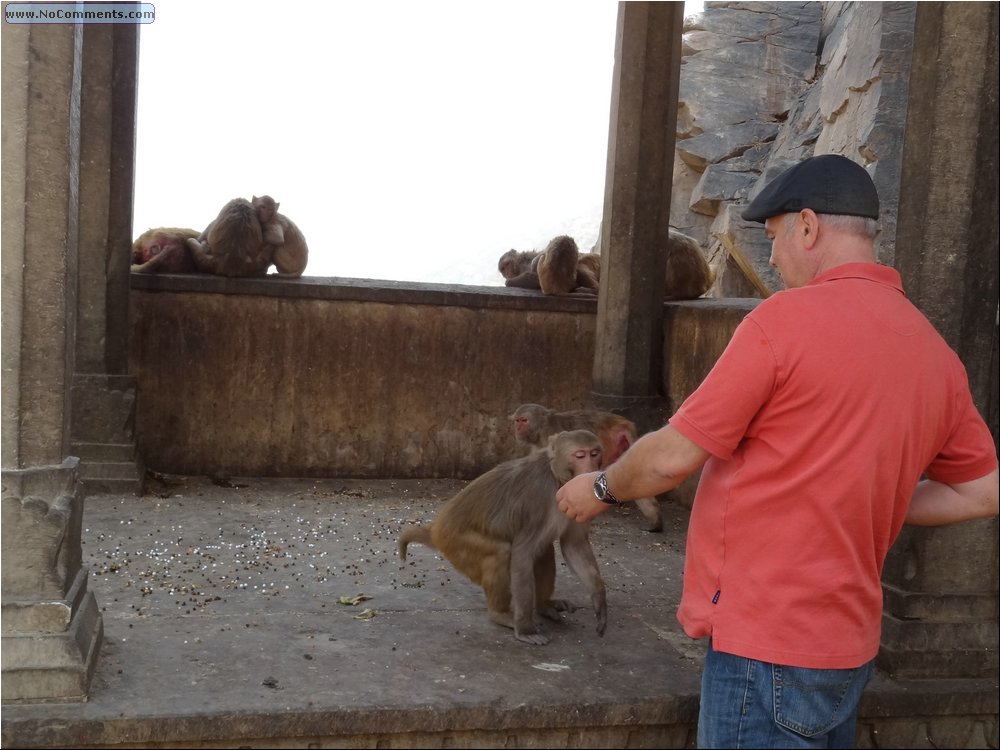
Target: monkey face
[
  {"x": 527, "y": 418},
  {"x": 573, "y": 453},
  {"x": 587, "y": 459},
  {"x": 266, "y": 207},
  {"x": 507, "y": 265},
  {"x": 522, "y": 424}
]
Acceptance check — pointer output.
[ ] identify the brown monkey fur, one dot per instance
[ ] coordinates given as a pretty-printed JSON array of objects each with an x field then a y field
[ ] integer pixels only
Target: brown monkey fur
[
  {"x": 588, "y": 272},
  {"x": 163, "y": 250},
  {"x": 557, "y": 266},
  {"x": 533, "y": 424},
  {"x": 688, "y": 275},
  {"x": 266, "y": 208},
  {"x": 233, "y": 244},
  {"x": 500, "y": 529},
  {"x": 290, "y": 251},
  {"x": 558, "y": 269},
  {"x": 518, "y": 268}
]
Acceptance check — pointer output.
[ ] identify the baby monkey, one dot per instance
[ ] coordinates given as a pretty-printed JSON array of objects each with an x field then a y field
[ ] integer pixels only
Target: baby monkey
[{"x": 290, "y": 250}]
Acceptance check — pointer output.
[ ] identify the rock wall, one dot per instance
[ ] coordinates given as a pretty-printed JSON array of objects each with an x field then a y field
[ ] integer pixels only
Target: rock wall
[{"x": 765, "y": 85}]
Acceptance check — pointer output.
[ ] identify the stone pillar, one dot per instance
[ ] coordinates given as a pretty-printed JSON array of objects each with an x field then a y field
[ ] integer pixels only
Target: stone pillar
[
  {"x": 104, "y": 394},
  {"x": 629, "y": 339},
  {"x": 51, "y": 629},
  {"x": 941, "y": 584}
]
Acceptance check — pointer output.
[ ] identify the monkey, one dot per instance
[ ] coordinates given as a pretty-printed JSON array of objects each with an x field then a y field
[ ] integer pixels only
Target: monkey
[
  {"x": 518, "y": 268},
  {"x": 291, "y": 256},
  {"x": 688, "y": 275},
  {"x": 533, "y": 424},
  {"x": 499, "y": 531},
  {"x": 588, "y": 272},
  {"x": 266, "y": 209},
  {"x": 290, "y": 253},
  {"x": 233, "y": 244},
  {"x": 559, "y": 269},
  {"x": 163, "y": 250},
  {"x": 557, "y": 266}
]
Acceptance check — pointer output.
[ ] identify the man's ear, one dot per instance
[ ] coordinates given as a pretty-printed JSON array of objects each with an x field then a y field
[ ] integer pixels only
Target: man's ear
[{"x": 810, "y": 227}]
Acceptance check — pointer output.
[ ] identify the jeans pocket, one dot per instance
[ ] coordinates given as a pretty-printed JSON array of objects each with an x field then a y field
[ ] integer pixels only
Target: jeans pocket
[{"x": 814, "y": 701}]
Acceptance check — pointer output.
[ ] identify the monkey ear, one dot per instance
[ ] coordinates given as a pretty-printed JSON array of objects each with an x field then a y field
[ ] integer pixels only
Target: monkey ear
[
  {"x": 255, "y": 197},
  {"x": 276, "y": 205}
]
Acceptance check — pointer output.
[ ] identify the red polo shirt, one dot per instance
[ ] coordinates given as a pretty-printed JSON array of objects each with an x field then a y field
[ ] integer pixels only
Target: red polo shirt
[{"x": 821, "y": 415}]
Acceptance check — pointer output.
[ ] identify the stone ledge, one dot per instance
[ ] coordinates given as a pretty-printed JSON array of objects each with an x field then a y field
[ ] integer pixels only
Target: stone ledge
[
  {"x": 366, "y": 290},
  {"x": 956, "y": 714},
  {"x": 380, "y": 290}
]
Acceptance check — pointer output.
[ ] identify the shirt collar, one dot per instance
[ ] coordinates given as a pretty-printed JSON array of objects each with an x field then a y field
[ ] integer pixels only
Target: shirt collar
[{"x": 868, "y": 271}]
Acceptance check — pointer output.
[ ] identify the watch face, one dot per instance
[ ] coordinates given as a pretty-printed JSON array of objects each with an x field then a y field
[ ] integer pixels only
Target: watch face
[{"x": 601, "y": 486}]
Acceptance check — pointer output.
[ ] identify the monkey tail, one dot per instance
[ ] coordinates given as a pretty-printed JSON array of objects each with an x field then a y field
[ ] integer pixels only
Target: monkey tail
[{"x": 417, "y": 534}]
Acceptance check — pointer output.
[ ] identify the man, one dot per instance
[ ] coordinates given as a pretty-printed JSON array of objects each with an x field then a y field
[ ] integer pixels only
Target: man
[{"x": 835, "y": 415}]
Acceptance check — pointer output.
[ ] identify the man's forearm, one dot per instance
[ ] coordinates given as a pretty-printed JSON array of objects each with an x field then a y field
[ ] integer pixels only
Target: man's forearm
[{"x": 656, "y": 463}]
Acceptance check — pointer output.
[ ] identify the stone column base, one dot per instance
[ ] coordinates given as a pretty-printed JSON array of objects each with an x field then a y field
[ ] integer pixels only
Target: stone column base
[
  {"x": 51, "y": 627},
  {"x": 938, "y": 635},
  {"x": 51, "y": 667},
  {"x": 103, "y": 433}
]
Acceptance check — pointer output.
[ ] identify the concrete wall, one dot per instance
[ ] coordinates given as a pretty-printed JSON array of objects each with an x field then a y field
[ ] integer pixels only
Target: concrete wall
[{"x": 355, "y": 378}]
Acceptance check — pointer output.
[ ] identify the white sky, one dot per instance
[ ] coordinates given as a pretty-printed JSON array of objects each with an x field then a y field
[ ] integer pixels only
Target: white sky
[{"x": 409, "y": 141}]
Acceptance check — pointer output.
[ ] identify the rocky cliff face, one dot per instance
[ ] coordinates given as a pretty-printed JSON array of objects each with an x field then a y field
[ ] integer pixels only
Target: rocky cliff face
[{"x": 764, "y": 85}]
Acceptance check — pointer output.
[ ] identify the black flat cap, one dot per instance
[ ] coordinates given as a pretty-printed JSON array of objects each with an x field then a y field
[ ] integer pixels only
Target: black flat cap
[{"x": 828, "y": 184}]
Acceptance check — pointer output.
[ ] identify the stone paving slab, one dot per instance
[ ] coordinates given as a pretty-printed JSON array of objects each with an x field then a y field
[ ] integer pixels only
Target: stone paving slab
[{"x": 270, "y": 611}]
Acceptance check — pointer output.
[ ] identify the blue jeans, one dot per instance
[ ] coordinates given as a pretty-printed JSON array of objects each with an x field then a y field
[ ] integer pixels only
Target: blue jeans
[{"x": 747, "y": 703}]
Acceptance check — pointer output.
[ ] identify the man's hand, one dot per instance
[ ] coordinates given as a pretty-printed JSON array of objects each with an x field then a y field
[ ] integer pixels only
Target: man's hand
[{"x": 577, "y": 500}]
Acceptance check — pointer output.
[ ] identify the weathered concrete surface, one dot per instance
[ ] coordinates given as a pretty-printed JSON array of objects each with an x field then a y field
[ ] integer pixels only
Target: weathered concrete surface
[
  {"x": 346, "y": 377},
  {"x": 103, "y": 395},
  {"x": 636, "y": 219},
  {"x": 949, "y": 213},
  {"x": 224, "y": 629}
]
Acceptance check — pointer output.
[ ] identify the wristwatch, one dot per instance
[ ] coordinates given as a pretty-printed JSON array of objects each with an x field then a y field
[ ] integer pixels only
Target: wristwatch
[{"x": 601, "y": 491}]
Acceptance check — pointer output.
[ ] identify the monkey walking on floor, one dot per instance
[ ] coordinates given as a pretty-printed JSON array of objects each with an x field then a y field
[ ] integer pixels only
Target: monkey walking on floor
[{"x": 500, "y": 531}]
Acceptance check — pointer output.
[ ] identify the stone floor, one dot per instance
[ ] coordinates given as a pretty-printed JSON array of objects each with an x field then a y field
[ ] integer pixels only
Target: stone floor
[{"x": 276, "y": 613}]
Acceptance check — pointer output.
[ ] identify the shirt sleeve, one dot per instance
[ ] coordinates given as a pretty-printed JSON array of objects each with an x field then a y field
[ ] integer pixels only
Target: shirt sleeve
[
  {"x": 720, "y": 411},
  {"x": 969, "y": 452}
]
